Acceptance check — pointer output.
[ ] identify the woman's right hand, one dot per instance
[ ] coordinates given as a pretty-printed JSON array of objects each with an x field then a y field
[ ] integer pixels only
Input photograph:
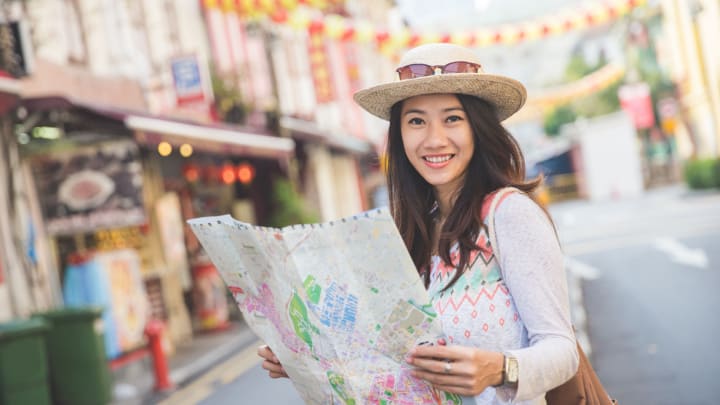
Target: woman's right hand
[{"x": 271, "y": 363}]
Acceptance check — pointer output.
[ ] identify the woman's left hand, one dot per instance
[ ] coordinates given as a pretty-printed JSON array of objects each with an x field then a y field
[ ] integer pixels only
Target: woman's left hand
[{"x": 457, "y": 369}]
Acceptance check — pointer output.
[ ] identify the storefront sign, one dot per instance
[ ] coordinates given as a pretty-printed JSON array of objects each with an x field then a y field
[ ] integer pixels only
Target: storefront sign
[
  {"x": 90, "y": 188},
  {"x": 187, "y": 77}
]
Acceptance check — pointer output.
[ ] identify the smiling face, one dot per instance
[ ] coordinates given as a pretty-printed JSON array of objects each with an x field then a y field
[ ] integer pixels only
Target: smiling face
[{"x": 438, "y": 140}]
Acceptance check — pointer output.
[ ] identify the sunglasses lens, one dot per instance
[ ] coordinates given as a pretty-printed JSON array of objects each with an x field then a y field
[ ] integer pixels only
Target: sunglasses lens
[
  {"x": 415, "y": 70},
  {"x": 422, "y": 70},
  {"x": 461, "y": 67}
]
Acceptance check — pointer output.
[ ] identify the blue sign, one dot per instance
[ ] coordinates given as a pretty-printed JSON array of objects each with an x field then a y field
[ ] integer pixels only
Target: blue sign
[{"x": 188, "y": 80}]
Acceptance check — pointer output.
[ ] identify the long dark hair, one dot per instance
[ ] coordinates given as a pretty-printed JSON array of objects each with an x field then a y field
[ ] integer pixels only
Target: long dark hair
[{"x": 496, "y": 162}]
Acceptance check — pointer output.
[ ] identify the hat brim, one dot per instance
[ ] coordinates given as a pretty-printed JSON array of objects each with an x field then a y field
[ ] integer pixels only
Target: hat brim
[{"x": 506, "y": 94}]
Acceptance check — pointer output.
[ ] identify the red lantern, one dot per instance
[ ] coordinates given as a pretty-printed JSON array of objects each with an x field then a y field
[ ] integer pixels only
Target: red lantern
[
  {"x": 414, "y": 39},
  {"x": 191, "y": 173},
  {"x": 227, "y": 174},
  {"x": 280, "y": 16},
  {"x": 381, "y": 37},
  {"x": 245, "y": 173},
  {"x": 348, "y": 34}
]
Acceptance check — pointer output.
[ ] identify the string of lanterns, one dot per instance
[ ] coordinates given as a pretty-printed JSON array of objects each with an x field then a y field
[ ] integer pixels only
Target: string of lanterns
[
  {"x": 226, "y": 173},
  {"x": 288, "y": 12},
  {"x": 255, "y": 9},
  {"x": 539, "y": 102},
  {"x": 589, "y": 84}
]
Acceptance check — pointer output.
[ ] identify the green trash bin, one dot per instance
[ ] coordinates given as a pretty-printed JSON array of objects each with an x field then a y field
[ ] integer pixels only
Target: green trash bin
[
  {"x": 79, "y": 371},
  {"x": 23, "y": 363}
]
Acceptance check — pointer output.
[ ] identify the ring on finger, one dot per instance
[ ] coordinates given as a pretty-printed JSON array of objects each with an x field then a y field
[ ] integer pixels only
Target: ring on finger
[{"x": 448, "y": 367}]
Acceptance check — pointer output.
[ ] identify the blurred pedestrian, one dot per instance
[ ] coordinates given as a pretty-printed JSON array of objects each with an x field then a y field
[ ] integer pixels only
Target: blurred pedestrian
[{"x": 487, "y": 252}]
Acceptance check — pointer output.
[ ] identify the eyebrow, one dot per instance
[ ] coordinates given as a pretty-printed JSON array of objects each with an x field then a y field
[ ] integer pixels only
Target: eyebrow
[{"x": 424, "y": 112}]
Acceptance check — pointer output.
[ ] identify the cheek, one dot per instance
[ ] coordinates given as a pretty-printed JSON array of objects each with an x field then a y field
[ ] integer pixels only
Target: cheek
[{"x": 408, "y": 147}]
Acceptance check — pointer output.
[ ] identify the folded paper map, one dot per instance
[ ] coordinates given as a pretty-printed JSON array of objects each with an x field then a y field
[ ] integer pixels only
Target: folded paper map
[{"x": 340, "y": 304}]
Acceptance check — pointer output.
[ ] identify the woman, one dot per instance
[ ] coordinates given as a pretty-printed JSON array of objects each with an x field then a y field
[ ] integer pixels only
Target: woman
[{"x": 488, "y": 254}]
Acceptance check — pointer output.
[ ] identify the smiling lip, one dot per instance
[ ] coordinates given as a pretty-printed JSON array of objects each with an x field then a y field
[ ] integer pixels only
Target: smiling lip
[{"x": 437, "y": 161}]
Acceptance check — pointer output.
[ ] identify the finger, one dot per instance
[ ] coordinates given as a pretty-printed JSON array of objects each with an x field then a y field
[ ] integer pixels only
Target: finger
[
  {"x": 266, "y": 353},
  {"x": 273, "y": 374},
  {"x": 453, "y": 389},
  {"x": 272, "y": 354},
  {"x": 273, "y": 367},
  {"x": 433, "y": 365},
  {"x": 438, "y": 352},
  {"x": 435, "y": 378}
]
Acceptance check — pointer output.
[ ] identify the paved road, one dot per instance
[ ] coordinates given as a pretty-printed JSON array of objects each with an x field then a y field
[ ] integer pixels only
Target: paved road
[
  {"x": 652, "y": 308},
  {"x": 254, "y": 387}
]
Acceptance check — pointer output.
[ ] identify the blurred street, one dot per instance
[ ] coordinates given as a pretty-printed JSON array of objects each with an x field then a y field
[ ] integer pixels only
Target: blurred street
[
  {"x": 123, "y": 121},
  {"x": 649, "y": 268}
]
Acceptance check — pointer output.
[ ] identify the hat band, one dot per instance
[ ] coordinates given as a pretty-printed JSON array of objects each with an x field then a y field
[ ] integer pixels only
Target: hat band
[{"x": 415, "y": 70}]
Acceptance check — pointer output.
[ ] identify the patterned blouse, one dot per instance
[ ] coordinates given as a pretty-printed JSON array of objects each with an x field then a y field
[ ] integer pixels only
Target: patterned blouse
[{"x": 515, "y": 302}]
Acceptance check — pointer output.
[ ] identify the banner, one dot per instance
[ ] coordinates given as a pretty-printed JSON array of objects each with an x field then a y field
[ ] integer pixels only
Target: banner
[
  {"x": 635, "y": 100},
  {"x": 320, "y": 66},
  {"x": 90, "y": 188}
]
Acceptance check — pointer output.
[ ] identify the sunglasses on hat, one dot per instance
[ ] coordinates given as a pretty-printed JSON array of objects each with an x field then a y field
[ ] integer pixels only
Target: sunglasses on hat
[{"x": 421, "y": 70}]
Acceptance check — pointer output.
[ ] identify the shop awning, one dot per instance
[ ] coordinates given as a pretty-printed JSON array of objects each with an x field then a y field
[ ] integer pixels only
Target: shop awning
[
  {"x": 309, "y": 131},
  {"x": 9, "y": 93},
  {"x": 152, "y": 131}
]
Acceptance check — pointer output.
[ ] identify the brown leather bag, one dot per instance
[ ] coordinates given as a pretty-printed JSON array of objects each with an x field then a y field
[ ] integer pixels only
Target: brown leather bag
[{"x": 583, "y": 389}]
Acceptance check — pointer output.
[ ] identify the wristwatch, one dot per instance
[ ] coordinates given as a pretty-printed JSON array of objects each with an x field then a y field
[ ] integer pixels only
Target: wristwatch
[{"x": 510, "y": 371}]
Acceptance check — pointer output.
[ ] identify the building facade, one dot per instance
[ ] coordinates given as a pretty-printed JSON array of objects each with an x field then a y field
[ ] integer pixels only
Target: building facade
[{"x": 691, "y": 29}]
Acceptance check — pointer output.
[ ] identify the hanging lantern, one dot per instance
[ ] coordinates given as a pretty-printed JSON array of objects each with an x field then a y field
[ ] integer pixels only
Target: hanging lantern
[
  {"x": 227, "y": 174},
  {"x": 191, "y": 173},
  {"x": 245, "y": 173}
]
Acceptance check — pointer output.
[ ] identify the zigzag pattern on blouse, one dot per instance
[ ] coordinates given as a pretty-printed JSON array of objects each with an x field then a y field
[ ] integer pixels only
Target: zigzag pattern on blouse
[{"x": 465, "y": 298}]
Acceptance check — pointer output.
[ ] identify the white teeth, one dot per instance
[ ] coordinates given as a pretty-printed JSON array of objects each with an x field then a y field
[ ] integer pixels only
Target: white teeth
[{"x": 438, "y": 159}]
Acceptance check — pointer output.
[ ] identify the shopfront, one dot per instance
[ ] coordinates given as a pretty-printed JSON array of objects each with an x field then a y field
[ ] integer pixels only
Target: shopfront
[
  {"x": 204, "y": 171},
  {"x": 114, "y": 190}
]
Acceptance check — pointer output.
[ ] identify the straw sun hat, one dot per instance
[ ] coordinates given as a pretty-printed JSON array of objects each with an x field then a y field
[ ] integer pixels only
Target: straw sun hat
[{"x": 507, "y": 94}]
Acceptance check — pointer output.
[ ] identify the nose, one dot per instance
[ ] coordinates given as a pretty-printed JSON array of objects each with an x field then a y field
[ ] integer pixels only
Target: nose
[{"x": 437, "y": 135}]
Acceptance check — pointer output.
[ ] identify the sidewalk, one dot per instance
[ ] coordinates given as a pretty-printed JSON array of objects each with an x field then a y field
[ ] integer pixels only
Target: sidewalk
[{"x": 133, "y": 383}]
